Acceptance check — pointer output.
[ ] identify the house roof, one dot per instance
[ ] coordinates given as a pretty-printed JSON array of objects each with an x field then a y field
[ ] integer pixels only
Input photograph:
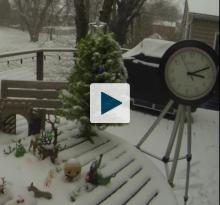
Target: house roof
[
  {"x": 207, "y": 7},
  {"x": 165, "y": 23}
]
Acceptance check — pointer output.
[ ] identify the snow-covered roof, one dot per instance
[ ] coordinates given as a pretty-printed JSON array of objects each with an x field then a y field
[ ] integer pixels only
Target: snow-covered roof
[
  {"x": 208, "y": 7},
  {"x": 149, "y": 47},
  {"x": 165, "y": 23}
]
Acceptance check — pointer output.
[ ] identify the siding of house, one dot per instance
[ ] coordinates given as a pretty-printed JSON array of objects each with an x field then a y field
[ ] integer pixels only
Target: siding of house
[{"x": 204, "y": 30}]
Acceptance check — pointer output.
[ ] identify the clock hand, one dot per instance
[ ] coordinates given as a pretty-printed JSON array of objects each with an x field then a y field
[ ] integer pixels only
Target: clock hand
[
  {"x": 196, "y": 75},
  {"x": 200, "y": 70},
  {"x": 186, "y": 67}
]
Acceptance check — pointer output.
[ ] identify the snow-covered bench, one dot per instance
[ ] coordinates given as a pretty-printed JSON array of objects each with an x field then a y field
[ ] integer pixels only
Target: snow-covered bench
[
  {"x": 137, "y": 180},
  {"x": 23, "y": 97}
]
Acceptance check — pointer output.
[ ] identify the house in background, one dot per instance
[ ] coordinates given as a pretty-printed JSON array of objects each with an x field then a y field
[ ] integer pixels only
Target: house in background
[
  {"x": 201, "y": 21},
  {"x": 166, "y": 29}
]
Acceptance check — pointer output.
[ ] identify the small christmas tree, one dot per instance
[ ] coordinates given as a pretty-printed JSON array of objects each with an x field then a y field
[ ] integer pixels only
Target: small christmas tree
[
  {"x": 98, "y": 59},
  {"x": 19, "y": 149}
]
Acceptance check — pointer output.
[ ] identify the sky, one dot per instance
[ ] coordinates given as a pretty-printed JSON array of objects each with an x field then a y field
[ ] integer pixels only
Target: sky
[{"x": 210, "y": 7}]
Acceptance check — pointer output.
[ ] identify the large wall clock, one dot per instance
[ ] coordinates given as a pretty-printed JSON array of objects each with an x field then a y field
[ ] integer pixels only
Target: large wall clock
[{"x": 189, "y": 71}]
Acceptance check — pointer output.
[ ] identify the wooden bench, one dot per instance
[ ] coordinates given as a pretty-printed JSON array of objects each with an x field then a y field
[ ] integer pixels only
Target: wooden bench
[{"x": 31, "y": 99}]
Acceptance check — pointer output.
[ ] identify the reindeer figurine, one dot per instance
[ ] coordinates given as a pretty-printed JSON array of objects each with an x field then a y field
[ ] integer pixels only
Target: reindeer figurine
[
  {"x": 52, "y": 153},
  {"x": 38, "y": 193},
  {"x": 34, "y": 144}
]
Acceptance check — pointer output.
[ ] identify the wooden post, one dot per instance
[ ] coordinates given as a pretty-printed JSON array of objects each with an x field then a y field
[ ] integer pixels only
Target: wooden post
[
  {"x": 40, "y": 65},
  {"x": 3, "y": 89}
]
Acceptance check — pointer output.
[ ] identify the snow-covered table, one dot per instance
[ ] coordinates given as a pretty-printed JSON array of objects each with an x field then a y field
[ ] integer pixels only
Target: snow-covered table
[{"x": 137, "y": 180}]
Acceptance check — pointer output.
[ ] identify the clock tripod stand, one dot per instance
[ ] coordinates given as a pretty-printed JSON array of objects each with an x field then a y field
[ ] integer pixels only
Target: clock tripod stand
[
  {"x": 189, "y": 71},
  {"x": 183, "y": 115}
]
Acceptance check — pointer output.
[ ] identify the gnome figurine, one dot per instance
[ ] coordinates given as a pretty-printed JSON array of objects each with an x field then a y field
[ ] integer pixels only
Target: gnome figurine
[{"x": 72, "y": 169}]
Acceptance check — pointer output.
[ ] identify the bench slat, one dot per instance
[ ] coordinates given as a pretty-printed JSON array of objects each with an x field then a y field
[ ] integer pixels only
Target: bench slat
[
  {"x": 33, "y": 84},
  {"x": 21, "y": 93},
  {"x": 36, "y": 103}
]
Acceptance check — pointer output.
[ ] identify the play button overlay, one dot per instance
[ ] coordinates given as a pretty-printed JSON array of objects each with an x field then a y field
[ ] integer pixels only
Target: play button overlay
[{"x": 109, "y": 103}]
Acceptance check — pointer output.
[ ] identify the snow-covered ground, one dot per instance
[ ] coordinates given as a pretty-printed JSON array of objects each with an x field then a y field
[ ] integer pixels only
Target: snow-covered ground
[
  {"x": 56, "y": 65},
  {"x": 204, "y": 182},
  {"x": 204, "y": 178}
]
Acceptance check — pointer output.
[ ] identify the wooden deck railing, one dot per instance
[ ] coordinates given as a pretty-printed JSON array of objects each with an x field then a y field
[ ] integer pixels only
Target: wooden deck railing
[{"x": 39, "y": 56}]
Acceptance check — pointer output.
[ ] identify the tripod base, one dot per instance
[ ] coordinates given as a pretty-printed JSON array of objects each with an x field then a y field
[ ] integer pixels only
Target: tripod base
[{"x": 183, "y": 115}]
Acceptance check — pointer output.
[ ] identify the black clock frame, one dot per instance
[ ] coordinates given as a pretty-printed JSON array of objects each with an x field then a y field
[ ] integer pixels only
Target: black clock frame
[{"x": 187, "y": 44}]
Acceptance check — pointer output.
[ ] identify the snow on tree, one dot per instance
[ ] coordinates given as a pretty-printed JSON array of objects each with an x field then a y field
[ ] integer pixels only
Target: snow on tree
[{"x": 98, "y": 59}]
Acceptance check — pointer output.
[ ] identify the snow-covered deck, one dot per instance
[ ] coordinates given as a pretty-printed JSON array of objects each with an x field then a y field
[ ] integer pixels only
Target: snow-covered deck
[
  {"x": 137, "y": 180},
  {"x": 204, "y": 178}
]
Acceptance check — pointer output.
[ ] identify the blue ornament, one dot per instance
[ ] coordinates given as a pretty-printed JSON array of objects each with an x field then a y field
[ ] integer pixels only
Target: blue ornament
[{"x": 100, "y": 70}]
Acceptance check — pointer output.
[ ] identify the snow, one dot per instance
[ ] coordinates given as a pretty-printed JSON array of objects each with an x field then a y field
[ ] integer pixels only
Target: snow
[
  {"x": 204, "y": 178},
  {"x": 149, "y": 47},
  {"x": 209, "y": 7},
  {"x": 12, "y": 40},
  {"x": 18, "y": 200},
  {"x": 165, "y": 23},
  {"x": 73, "y": 161},
  {"x": 6, "y": 197},
  {"x": 126, "y": 163}
]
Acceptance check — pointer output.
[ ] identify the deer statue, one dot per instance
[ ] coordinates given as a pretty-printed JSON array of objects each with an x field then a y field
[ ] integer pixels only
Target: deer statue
[{"x": 38, "y": 193}]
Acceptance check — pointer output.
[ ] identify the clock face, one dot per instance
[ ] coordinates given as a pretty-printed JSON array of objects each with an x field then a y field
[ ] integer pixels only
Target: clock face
[{"x": 189, "y": 73}]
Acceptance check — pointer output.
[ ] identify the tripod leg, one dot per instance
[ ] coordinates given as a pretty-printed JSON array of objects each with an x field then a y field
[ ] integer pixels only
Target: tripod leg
[
  {"x": 178, "y": 145},
  {"x": 189, "y": 152},
  {"x": 156, "y": 122},
  {"x": 166, "y": 157}
]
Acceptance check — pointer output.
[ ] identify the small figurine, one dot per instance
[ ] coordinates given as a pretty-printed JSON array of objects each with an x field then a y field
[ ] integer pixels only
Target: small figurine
[
  {"x": 94, "y": 177},
  {"x": 48, "y": 151},
  {"x": 45, "y": 147},
  {"x": 48, "y": 180},
  {"x": 38, "y": 193},
  {"x": 10, "y": 150},
  {"x": 54, "y": 128},
  {"x": 72, "y": 169},
  {"x": 34, "y": 144},
  {"x": 19, "y": 149},
  {"x": 5, "y": 192}
]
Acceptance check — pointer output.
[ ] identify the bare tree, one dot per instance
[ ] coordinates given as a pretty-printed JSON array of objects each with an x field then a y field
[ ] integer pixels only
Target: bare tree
[
  {"x": 155, "y": 10},
  {"x": 124, "y": 12},
  {"x": 107, "y": 8},
  {"x": 5, "y": 10},
  {"x": 81, "y": 18},
  {"x": 118, "y": 14},
  {"x": 33, "y": 14},
  {"x": 55, "y": 10},
  {"x": 95, "y": 7},
  {"x": 163, "y": 9}
]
